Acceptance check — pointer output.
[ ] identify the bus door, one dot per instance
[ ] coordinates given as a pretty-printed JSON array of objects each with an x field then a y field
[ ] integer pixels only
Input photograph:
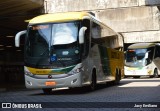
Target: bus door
[{"x": 85, "y": 49}]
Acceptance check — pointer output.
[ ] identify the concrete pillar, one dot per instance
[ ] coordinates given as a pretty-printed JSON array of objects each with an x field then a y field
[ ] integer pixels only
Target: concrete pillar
[
  {"x": 131, "y": 19},
  {"x": 146, "y": 36},
  {"x": 52, "y": 6}
]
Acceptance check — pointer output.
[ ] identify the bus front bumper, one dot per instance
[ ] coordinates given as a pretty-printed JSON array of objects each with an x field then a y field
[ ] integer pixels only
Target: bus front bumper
[
  {"x": 69, "y": 81},
  {"x": 137, "y": 72}
]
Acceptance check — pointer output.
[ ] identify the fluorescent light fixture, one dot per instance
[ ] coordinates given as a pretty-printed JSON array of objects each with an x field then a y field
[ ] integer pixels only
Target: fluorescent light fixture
[
  {"x": 10, "y": 36},
  {"x": 9, "y": 46},
  {"x": 1, "y": 45}
]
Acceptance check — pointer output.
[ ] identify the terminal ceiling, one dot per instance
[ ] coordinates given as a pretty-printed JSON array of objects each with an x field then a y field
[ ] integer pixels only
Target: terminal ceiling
[{"x": 13, "y": 13}]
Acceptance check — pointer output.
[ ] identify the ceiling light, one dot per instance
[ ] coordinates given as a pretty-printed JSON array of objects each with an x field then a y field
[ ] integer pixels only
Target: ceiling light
[
  {"x": 1, "y": 45},
  {"x": 9, "y": 36},
  {"x": 9, "y": 46}
]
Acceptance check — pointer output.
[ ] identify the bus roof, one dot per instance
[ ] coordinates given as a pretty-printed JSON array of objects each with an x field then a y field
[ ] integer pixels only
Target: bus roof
[
  {"x": 67, "y": 16},
  {"x": 141, "y": 45},
  {"x": 59, "y": 17}
]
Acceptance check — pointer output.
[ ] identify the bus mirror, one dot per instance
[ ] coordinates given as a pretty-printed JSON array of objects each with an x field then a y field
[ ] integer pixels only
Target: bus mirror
[
  {"x": 17, "y": 37},
  {"x": 81, "y": 35}
]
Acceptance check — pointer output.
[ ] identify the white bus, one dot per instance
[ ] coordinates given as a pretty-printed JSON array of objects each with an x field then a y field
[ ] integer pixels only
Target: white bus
[
  {"x": 142, "y": 59},
  {"x": 71, "y": 49}
]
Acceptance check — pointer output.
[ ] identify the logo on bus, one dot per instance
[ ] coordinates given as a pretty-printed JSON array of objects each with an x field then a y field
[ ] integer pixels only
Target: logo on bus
[{"x": 53, "y": 58}]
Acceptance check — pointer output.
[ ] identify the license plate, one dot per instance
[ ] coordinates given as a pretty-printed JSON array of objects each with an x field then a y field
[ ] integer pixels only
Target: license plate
[{"x": 50, "y": 83}]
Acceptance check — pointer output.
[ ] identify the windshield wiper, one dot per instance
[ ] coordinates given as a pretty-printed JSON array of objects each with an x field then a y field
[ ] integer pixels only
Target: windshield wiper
[{"x": 43, "y": 53}]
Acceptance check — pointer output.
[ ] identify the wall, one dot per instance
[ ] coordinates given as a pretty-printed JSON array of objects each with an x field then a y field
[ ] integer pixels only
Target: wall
[
  {"x": 79, "y": 5},
  {"x": 131, "y": 19},
  {"x": 136, "y": 19}
]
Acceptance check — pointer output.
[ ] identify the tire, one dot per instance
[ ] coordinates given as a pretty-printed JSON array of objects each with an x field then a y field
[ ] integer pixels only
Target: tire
[
  {"x": 93, "y": 84},
  {"x": 125, "y": 76},
  {"x": 47, "y": 90},
  {"x": 117, "y": 78},
  {"x": 136, "y": 77},
  {"x": 155, "y": 74}
]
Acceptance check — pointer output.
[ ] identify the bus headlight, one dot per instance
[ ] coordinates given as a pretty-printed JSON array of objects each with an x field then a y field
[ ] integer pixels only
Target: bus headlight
[
  {"x": 78, "y": 70},
  {"x": 28, "y": 73}
]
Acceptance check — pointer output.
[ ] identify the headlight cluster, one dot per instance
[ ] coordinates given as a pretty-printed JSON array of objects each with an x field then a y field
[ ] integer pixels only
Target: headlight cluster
[
  {"x": 28, "y": 73},
  {"x": 76, "y": 70}
]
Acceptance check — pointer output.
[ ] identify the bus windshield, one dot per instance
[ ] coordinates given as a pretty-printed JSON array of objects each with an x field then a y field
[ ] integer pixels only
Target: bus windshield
[
  {"x": 53, "y": 42},
  {"x": 135, "y": 57}
]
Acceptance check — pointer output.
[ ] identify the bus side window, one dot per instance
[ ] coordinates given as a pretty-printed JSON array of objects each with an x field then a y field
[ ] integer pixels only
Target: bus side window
[{"x": 86, "y": 23}]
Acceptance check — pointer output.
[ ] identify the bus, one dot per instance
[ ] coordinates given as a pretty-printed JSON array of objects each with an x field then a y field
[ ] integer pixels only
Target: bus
[
  {"x": 71, "y": 49},
  {"x": 142, "y": 59}
]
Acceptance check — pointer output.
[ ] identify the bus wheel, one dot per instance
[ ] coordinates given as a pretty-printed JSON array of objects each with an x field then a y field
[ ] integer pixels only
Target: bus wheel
[
  {"x": 136, "y": 77},
  {"x": 117, "y": 78},
  {"x": 125, "y": 76},
  {"x": 93, "y": 82},
  {"x": 155, "y": 73},
  {"x": 47, "y": 90}
]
